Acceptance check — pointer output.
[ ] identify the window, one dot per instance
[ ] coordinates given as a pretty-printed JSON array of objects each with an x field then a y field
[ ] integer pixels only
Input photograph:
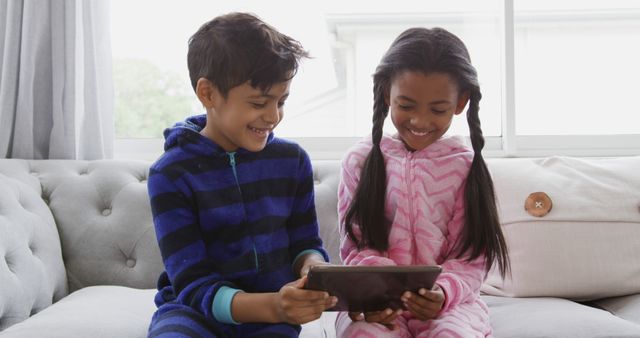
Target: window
[
  {"x": 363, "y": 37},
  {"x": 575, "y": 77},
  {"x": 576, "y": 67},
  {"x": 556, "y": 76}
]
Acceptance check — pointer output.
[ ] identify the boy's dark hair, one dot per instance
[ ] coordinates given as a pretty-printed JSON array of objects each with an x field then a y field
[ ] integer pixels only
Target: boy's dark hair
[
  {"x": 235, "y": 48},
  {"x": 429, "y": 51}
]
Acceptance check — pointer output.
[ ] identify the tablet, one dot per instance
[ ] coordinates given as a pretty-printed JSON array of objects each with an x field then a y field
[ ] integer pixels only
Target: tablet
[{"x": 370, "y": 288}]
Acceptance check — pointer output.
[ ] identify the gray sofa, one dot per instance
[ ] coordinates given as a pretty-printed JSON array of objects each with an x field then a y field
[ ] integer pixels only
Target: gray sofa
[{"x": 79, "y": 258}]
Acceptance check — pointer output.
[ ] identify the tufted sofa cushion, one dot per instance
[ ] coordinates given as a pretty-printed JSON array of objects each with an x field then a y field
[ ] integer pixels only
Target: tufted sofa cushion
[
  {"x": 325, "y": 176},
  {"x": 107, "y": 234},
  {"x": 32, "y": 274},
  {"x": 588, "y": 245}
]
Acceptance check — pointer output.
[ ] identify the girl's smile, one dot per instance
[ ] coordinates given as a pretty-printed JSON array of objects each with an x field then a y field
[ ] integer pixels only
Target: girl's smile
[
  {"x": 422, "y": 106},
  {"x": 419, "y": 133}
]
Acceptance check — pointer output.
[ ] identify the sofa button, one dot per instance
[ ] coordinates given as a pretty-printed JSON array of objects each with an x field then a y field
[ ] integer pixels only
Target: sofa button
[
  {"x": 106, "y": 212},
  {"x": 9, "y": 264},
  {"x": 538, "y": 204},
  {"x": 131, "y": 262}
]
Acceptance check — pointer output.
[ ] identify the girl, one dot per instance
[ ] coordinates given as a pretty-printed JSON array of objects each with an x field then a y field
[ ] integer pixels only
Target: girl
[{"x": 421, "y": 198}]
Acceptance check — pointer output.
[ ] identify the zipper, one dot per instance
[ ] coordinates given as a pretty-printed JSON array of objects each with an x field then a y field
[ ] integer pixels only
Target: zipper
[
  {"x": 232, "y": 163},
  {"x": 409, "y": 190},
  {"x": 410, "y": 202}
]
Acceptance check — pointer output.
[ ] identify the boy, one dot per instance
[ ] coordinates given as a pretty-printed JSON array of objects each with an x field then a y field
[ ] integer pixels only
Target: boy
[{"x": 232, "y": 205}]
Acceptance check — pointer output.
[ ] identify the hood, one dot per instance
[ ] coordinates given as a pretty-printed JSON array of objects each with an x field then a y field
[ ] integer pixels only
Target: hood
[
  {"x": 183, "y": 130},
  {"x": 186, "y": 134},
  {"x": 445, "y": 145},
  {"x": 392, "y": 145}
]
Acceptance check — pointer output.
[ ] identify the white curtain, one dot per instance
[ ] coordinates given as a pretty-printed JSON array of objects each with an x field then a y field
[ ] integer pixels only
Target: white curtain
[{"x": 56, "y": 87}]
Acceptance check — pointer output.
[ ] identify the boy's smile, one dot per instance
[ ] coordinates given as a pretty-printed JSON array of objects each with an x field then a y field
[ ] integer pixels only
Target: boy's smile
[{"x": 246, "y": 117}]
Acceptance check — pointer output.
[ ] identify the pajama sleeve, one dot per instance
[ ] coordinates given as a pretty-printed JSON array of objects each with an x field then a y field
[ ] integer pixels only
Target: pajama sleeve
[
  {"x": 181, "y": 243},
  {"x": 302, "y": 225},
  {"x": 460, "y": 280},
  {"x": 349, "y": 252}
]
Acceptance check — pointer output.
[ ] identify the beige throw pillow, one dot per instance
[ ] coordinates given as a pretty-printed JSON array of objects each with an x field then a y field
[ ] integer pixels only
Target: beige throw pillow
[{"x": 587, "y": 246}]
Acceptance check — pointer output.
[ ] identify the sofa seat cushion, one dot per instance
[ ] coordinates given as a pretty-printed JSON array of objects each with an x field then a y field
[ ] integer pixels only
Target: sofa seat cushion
[
  {"x": 554, "y": 317},
  {"x": 95, "y": 312},
  {"x": 116, "y": 311},
  {"x": 323, "y": 327},
  {"x": 627, "y": 307}
]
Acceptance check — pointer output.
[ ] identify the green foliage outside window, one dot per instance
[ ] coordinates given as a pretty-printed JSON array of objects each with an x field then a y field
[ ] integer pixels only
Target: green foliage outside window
[{"x": 148, "y": 99}]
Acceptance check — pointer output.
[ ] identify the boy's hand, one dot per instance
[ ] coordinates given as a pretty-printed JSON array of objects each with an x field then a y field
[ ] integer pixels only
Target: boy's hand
[
  {"x": 386, "y": 317},
  {"x": 295, "y": 305},
  {"x": 426, "y": 304}
]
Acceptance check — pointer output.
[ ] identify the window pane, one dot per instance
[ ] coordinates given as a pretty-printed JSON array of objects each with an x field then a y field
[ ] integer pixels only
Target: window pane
[
  {"x": 365, "y": 31},
  {"x": 576, "y": 67},
  {"x": 330, "y": 96}
]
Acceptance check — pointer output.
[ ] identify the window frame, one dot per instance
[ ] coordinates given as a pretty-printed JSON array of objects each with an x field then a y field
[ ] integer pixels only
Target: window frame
[{"x": 509, "y": 144}]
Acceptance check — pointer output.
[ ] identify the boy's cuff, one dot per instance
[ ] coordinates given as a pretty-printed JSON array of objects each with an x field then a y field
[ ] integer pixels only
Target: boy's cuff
[
  {"x": 221, "y": 306},
  {"x": 308, "y": 251}
]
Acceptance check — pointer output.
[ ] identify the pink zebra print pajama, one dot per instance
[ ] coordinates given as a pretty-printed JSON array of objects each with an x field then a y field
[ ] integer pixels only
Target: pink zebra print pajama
[{"x": 425, "y": 203}]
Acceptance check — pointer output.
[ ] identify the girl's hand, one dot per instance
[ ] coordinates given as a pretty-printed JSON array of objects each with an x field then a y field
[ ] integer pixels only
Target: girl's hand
[
  {"x": 426, "y": 304},
  {"x": 386, "y": 317},
  {"x": 295, "y": 305}
]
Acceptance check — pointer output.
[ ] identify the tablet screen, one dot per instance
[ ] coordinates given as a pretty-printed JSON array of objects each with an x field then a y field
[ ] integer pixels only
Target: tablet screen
[{"x": 370, "y": 288}]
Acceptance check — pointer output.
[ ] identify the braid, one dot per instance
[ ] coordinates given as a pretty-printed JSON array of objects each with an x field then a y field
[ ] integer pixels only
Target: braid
[
  {"x": 380, "y": 110},
  {"x": 477, "y": 138},
  {"x": 368, "y": 205},
  {"x": 482, "y": 234}
]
